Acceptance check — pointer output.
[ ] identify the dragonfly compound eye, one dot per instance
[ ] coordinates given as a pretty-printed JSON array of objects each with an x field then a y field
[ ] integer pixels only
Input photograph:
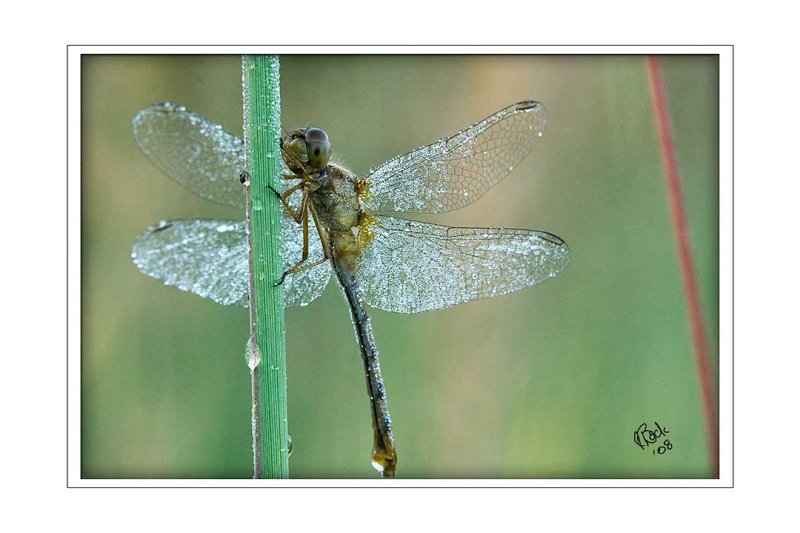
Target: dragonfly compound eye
[{"x": 318, "y": 148}]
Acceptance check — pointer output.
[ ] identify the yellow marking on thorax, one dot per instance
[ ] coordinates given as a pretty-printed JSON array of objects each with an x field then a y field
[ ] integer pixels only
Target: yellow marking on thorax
[
  {"x": 362, "y": 191},
  {"x": 365, "y": 234}
]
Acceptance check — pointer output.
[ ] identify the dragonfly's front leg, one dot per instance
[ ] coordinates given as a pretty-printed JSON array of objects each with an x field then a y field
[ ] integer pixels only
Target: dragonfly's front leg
[{"x": 296, "y": 216}]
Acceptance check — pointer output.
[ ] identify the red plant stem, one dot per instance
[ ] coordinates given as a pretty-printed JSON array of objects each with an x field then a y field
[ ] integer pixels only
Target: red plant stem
[{"x": 673, "y": 177}]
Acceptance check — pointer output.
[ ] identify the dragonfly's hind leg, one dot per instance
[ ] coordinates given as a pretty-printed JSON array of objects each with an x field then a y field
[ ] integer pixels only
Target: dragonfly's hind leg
[
  {"x": 300, "y": 266},
  {"x": 297, "y": 268}
]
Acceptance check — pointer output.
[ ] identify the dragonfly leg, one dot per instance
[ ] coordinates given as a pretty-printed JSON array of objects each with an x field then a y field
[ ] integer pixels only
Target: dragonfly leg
[
  {"x": 305, "y": 207},
  {"x": 296, "y": 216},
  {"x": 304, "y": 214},
  {"x": 323, "y": 235},
  {"x": 300, "y": 266},
  {"x": 295, "y": 269}
]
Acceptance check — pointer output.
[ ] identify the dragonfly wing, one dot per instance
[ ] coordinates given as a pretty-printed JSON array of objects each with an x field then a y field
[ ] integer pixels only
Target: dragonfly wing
[
  {"x": 456, "y": 171},
  {"x": 210, "y": 258},
  {"x": 410, "y": 267},
  {"x": 206, "y": 257},
  {"x": 192, "y": 150}
]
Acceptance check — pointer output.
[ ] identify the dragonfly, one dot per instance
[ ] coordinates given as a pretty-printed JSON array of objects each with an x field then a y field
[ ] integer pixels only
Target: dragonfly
[{"x": 389, "y": 263}]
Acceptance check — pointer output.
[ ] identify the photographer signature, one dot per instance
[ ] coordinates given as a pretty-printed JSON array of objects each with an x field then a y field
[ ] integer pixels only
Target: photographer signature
[{"x": 644, "y": 436}]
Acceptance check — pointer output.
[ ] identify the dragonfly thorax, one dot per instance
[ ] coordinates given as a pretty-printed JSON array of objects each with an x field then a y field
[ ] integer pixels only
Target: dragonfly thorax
[{"x": 336, "y": 200}]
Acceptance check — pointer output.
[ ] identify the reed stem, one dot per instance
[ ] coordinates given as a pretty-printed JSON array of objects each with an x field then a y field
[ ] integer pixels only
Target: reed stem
[{"x": 267, "y": 346}]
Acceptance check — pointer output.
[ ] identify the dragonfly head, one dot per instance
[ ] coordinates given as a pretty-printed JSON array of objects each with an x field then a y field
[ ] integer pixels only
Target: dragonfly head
[{"x": 306, "y": 150}]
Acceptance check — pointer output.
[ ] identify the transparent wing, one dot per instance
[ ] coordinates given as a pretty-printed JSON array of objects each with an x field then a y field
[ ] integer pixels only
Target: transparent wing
[
  {"x": 410, "y": 267},
  {"x": 302, "y": 288},
  {"x": 456, "y": 171},
  {"x": 192, "y": 150},
  {"x": 209, "y": 258},
  {"x": 206, "y": 257}
]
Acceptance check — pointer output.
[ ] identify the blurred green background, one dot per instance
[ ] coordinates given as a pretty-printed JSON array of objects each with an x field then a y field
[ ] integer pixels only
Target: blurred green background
[{"x": 550, "y": 381}]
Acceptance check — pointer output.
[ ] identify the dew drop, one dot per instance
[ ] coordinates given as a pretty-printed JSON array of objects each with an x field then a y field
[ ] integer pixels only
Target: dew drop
[{"x": 252, "y": 354}]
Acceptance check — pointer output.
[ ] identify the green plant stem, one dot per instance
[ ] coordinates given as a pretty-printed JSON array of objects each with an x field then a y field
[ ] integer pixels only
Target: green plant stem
[{"x": 267, "y": 346}]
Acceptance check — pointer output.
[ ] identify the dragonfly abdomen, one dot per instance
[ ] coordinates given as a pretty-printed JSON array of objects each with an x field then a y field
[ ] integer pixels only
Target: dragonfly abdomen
[{"x": 384, "y": 455}]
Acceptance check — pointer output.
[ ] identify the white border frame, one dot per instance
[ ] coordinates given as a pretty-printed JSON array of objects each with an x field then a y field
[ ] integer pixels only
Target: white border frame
[{"x": 725, "y": 53}]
